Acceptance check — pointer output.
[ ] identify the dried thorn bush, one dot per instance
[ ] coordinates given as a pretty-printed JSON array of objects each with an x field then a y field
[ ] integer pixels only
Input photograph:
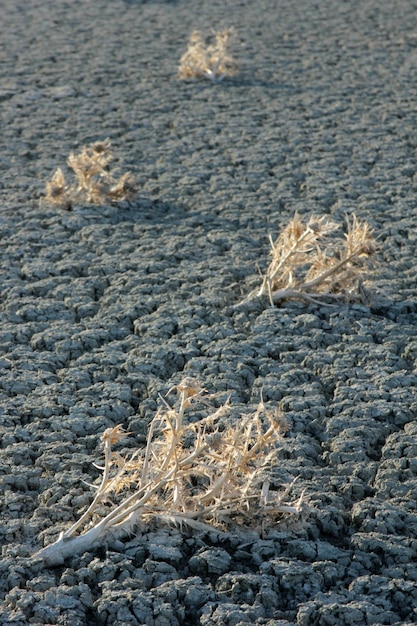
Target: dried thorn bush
[
  {"x": 208, "y": 60},
  {"x": 197, "y": 472},
  {"x": 310, "y": 262},
  {"x": 95, "y": 182}
]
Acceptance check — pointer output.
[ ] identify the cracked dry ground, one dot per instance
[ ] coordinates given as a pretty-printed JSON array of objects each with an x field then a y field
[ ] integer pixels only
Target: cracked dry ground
[{"x": 102, "y": 308}]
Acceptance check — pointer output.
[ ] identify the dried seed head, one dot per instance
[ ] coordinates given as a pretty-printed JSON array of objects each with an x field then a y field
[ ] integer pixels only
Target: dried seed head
[
  {"x": 359, "y": 238},
  {"x": 113, "y": 435},
  {"x": 55, "y": 191},
  {"x": 296, "y": 228},
  {"x": 196, "y": 38},
  {"x": 123, "y": 189},
  {"x": 101, "y": 146},
  {"x": 224, "y": 36},
  {"x": 189, "y": 387},
  {"x": 315, "y": 227},
  {"x": 321, "y": 225},
  {"x": 56, "y": 186},
  {"x": 369, "y": 248}
]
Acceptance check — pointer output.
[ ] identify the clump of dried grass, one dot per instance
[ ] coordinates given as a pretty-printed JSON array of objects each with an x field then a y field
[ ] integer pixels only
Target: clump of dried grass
[
  {"x": 309, "y": 262},
  {"x": 203, "y": 473},
  {"x": 209, "y": 59},
  {"x": 95, "y": 182}
]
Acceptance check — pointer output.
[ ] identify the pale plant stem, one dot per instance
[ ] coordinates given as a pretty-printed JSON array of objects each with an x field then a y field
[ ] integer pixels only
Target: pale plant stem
[
  {"x": 283, "y": 508},
  {"x": 269, "y": 278},
  {"x": 181, "y": 411},
  {"x": 190, "y": 514},
  {"x": 121, "y": 512},
  {"x": 100, "y": 492},
  {"x": 160, "y": 480},
  {"x": 261, "y": 442},
  {"x": 105, "y": 480},
  {"x": 175, "y": 428},
  {"x": 332, "y": 270},
  {"x": 148, "y": 451},
  {"x": 283, "y": 294},
  {"x": 248, "y": 435},
  {"x": 218, "y": 485},
  {"x": 65, "y": 545},
  {"x": 216, "y": 63},
  {"x": 241, "y": 461},
  {"x": 159, "y": 489}
]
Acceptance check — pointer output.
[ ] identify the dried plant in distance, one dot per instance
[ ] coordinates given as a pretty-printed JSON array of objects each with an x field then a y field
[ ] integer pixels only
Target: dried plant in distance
[
  {"x": 95, "y": 182},
  {"x": 310, "y": 262},
  {"x": 208, "y": 60},
  {"x": 199, "y": 472}
]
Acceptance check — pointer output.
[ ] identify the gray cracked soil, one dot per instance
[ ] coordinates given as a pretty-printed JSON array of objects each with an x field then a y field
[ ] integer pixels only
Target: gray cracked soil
[{"x": 104, "y": 307}]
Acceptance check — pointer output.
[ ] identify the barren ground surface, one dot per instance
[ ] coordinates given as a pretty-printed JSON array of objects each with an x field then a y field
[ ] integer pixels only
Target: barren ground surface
[{"x": 104, "y": 307}]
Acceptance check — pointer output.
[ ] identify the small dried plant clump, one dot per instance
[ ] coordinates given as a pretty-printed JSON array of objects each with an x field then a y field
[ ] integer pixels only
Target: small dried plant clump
[
  {"x": 202, "y": 473},
  {"x": 309, "y": 262},
  {"x": 208, "y": 59},
  {"x": 95, "y": 182}
]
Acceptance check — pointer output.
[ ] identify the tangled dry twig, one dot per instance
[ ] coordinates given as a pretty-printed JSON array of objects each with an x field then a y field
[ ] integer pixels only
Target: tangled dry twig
[
  {"x": 309, "y": 263},
  {"x": 208, "y": 60},
  {"x": 200, "y": 473},
  {"x": 95, "y": 182}
]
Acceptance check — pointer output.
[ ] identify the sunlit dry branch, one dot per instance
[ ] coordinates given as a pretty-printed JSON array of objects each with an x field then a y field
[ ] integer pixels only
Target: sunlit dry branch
[
  {"x": 208, "y": 60},
  {"x": 309, "y": 262},
  {"x": 203, "y": 473},
  {"x": 95, "y": 182}
]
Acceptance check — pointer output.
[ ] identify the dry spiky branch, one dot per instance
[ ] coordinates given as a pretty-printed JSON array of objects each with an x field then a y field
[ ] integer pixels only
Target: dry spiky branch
[
  {"x": 208, "y": 60},
  {"x": 308, "y": 262},
  {"x": 198, "y": 473},
  {"x": 95, "y": 182}
]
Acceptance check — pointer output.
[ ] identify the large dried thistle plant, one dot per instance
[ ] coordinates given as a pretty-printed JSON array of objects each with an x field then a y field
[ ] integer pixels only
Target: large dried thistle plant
[
  {"x": 208, "y": 59},
  {"x": 95, "y": 181},
  {"x": 203, "y": 473},
  {"x": 310, "y": 262}
]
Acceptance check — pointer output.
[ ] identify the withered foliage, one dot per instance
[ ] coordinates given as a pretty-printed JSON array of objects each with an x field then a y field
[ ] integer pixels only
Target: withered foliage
[
  {"x": 310, "y": 262},
  {"x": 208, "y": 57},
  {"x": 95, "y": 181},
  {"x": 203, "y": 472}
]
